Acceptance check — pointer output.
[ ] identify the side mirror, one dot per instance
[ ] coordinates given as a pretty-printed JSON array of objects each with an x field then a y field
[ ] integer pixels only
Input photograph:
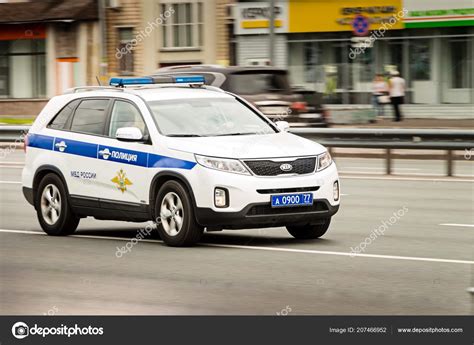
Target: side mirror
[
  {"x": 129, "y": 134},
  {"x": 283, "y": 126}
]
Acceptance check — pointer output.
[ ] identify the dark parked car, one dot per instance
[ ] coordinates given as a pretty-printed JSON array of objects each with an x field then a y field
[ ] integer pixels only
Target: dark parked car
[{"x": 267, "y": 88}]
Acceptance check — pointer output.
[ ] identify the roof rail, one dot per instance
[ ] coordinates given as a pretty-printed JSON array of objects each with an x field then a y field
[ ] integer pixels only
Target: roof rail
[{"x": 91, "y": 88}]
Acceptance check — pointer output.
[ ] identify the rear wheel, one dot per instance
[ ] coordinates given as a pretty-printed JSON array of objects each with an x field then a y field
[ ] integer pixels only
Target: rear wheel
[
  {"x": 52, "y": 207},
  {"x": 177, "y": 225},
  {"x": 306, "y": 232}
]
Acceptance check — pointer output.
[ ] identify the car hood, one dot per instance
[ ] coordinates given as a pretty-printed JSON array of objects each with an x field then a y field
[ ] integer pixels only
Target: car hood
[{"x": 248, "y": 146}]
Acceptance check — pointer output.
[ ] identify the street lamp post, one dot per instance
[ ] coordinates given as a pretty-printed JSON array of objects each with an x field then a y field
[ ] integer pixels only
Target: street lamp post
[{"x": 271, "y": 42}]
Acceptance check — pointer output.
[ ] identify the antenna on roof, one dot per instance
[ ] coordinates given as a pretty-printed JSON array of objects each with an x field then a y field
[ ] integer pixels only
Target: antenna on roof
[{"x": 98, "y": 80}]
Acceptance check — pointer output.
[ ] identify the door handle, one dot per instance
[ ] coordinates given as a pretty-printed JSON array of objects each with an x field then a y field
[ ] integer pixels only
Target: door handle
[{"x": 61, "y": 146}]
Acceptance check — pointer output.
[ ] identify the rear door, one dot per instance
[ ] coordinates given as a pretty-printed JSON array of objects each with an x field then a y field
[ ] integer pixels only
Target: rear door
[{"x": 78, "y": 144}]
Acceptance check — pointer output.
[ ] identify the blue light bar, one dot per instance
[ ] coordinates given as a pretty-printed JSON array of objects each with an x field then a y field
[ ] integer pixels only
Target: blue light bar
[
  {"x": 189, "y": 79},
  {"x": 130, "y": 81},
  {"x": 167, "y": 79}
]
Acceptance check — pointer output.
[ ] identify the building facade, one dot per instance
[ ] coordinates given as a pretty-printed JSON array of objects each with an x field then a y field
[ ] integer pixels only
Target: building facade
[
  {"x": 45, "y": 48},
  {"x": 49, "y": 46},
  {"x": 336, "y": 47},
  {"x": 185, "y": 32}
]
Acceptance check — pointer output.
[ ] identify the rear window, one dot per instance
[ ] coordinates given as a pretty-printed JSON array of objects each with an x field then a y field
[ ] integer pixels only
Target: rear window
[
  {"x": 60, "y": 120},
  {"x": 90, "y": 116},
  {"x": 255, "y": 82}
]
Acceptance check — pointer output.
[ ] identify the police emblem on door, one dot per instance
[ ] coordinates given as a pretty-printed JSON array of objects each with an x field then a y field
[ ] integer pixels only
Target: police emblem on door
[{"x": 121, "y": 181}]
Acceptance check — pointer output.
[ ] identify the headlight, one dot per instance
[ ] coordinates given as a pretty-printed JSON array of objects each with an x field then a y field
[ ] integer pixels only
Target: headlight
[
  {"x": 222, "y": 164},
  {"x": 324, "y": 160}
]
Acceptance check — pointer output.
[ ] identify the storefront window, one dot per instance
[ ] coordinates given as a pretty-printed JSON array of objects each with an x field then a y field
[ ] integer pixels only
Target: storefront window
[
  {"x": 311, "y": 61},
  {"x": 363, "y": 66},
  {"x": 420, "y": 66},
  {"x": 395, "y": 54},
  {"x": 22, "y": 69},
  {"x": 459, "y": 63}
]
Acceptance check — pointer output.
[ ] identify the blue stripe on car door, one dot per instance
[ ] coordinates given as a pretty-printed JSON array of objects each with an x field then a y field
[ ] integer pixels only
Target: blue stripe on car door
[
  {"x": 80, "y": 148},
  {"x": 40, "y": 141},
  {"x": 125, "y": 156}
]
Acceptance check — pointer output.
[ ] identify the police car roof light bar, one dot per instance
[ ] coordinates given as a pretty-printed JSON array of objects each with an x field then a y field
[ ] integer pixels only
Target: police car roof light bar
[{"x": 121, "y": 82}]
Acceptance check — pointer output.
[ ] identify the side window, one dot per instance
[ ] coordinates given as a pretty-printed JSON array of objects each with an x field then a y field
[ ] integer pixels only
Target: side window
[
  {"x": 90, "y": 116},
  {"x": 60, "y": 120},
  {"x": 125, "y": 114}
]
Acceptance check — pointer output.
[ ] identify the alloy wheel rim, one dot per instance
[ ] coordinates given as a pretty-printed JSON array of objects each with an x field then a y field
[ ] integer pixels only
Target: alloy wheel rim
[
  {"x": 172, "y": 214},
  {"x": 51, "y": 204}
]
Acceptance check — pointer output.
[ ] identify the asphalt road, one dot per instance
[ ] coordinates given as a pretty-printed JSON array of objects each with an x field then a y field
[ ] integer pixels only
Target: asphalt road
[{"x": 423, "y": 264}]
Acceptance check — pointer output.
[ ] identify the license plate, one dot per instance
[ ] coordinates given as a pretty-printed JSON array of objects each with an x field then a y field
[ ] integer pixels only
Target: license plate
[{"x": 287, "y": 200}]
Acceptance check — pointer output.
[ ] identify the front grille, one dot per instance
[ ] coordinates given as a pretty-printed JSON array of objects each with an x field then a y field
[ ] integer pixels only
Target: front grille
[
  {"x": 263, "y": 210},
  {"x": 287, "y": 190},
  {"x": 300, "y": 166}
]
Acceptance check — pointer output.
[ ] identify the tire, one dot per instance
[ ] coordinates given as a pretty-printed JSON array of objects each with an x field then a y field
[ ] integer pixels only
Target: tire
[
  {"x": 308, "y": 232},
  {"x": 177, "y": 224},
  {"x": 53, "y": 209}
]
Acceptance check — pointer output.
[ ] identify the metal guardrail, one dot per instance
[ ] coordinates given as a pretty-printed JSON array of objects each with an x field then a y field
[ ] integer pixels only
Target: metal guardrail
[
  {"x": 391, "y": 139},
  {"x": 388, "y": 139},
  {"x": 13, "y": 133}
]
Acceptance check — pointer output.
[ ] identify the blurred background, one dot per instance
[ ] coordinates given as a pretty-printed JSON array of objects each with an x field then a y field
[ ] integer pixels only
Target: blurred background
[{"x": 328, "y": 52}]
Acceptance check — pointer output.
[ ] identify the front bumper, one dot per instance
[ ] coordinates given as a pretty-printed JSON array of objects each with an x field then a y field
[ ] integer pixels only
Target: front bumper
[
  {"x": 260, "y": 215},
  {"x": 249, "y": 198}
]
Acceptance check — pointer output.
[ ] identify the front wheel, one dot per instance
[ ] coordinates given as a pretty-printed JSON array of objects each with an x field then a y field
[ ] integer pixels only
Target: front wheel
[
  {"x": 307, "y": 232},
  {"x": 176, "y": 223},
  {"x": 52, "y": 207}
]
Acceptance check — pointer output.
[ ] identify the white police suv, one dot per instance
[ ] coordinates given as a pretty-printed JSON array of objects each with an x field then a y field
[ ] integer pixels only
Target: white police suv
[{"x": 170, "y": 149}]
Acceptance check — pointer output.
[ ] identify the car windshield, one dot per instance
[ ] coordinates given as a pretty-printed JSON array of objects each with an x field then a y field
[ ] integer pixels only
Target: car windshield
[
  {"x": 201, "y": 117},
  {"x": 259, "y": 82}
]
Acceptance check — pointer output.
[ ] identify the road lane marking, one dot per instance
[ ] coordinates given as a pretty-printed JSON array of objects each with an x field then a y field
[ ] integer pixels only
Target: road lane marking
[
  {"x": 405, "y": 178},
  {"x": 273, "y": 249},
  {"x": 10, "y": 182},
  {"x": 379, "y": 168},
  {"x": 400, "y": 174},
  {"x": 461, "y": 225}
]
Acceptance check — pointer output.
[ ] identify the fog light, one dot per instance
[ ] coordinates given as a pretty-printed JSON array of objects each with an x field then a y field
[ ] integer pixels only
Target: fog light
[
  {"x": 221, "y": 197},
  {"x": 335, "y": 191}
]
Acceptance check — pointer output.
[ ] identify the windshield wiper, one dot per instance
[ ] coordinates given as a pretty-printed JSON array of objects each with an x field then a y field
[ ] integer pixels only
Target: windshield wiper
[
  {"x": 184, "y": 135},
  {"x": 225, "y": 134}
]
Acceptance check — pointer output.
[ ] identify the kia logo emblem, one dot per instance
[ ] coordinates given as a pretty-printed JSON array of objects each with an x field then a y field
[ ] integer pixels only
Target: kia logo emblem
[{"x": 286, "y": 167}]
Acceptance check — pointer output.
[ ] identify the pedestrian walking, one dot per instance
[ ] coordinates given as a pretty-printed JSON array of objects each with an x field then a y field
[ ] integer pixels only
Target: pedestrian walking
[
  {"x": 397, "y": 93},
  {"x": 379, "y": 94}
]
